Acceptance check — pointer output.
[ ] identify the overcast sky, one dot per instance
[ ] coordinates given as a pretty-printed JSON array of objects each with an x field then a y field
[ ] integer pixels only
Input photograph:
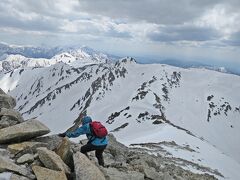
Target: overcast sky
[{"x": 188, "y": 29}]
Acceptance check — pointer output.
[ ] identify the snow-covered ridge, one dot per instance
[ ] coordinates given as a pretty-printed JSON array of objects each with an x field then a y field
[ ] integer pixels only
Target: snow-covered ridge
[
  {"x": 77, "y": 57},
  {"x": 142, "y": 104}
]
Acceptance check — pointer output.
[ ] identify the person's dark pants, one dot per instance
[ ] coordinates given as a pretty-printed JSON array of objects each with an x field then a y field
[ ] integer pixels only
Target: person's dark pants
[{"x": 98, "y": 152}]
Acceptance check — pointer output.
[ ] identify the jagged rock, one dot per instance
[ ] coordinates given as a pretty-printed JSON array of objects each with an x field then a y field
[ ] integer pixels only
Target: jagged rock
[
  {"x": 8, "y": 165},
  {"x": 10, "y": 115},
  {"x": 18, "y": 177},
  {"x": 7, "y": 101},
  {"x": 166, "y": 176},
  {"x": 64, "y": 151},
  {"x": 76, "y": 147},
  {"x": 116, "y": 149},
  {"x": 26, "y": 158},
  {"x": 5, "y": 121},
  {"x": 143, "y": 162},
  {"x": 115, "y": 174},
  {"x": 48, "y": 174},
  {"x": 52, "y": 141},
  {"x": 52, "y": 161},
  {"x": 4, "y": 153},
  {"x": 85, "y": 169},
  {"x": 23, "y": 131},
  {"x": 152, "y": 174},
  {"x": 24, "y": 147},
  {"x": 37, "y": 162},
  {"x": 13, "y": 114},
  {"x": 1, "y": 91}
]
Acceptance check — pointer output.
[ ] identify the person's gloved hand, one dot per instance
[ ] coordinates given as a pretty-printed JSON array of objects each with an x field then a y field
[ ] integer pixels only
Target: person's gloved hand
[{"x": 62, "y": 134}]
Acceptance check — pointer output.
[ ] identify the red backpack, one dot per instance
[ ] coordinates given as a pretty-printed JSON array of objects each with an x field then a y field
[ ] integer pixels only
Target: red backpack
[{"x": 98, "y": 129}]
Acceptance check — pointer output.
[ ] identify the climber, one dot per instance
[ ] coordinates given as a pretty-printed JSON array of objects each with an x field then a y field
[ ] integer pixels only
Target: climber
[{"x": 96, "y": 134}]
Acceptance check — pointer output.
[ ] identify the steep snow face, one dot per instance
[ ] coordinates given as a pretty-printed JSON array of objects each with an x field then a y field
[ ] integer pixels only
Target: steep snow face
[{"x": 196, "y": 108}]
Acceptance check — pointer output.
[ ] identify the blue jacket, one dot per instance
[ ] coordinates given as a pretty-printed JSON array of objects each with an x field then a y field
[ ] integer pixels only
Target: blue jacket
[{"x": 85, "y": 129}]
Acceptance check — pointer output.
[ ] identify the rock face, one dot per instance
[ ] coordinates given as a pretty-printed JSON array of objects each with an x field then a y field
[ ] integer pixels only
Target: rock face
[
  {"x": 23, "y": 131},
  {"x": 52, "y": 161},
  {"x": 85, "y": 169},
  {"x": 48, "y": 174}
]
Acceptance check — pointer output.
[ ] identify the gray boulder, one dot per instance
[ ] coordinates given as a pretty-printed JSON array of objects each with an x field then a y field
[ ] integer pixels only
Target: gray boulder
[
  {"x": 18, "y": 177},
  {"x": 23, "y": 131},
  {"x": 7, "y": 165},
  {"x": 85, "y": 169},
  {"x": 5, "y": 121},
  {"x": 151, "y": 173},
  {"x": 52, "y": 141},
  {"x": 7, "y": 101},
  {"x": 4, "y": 153},
  {"x": 25, "y": 147},
  {"x": 64, "y": 151},
  {"x": 9, "y": 117},
  {"x": 115, "y": 174},
  {"x": 116, "y": 149},
  {"x": 26, "y": 158},
  {"x": 48, "y": 174},
  {"x": 52, "y": 161}
]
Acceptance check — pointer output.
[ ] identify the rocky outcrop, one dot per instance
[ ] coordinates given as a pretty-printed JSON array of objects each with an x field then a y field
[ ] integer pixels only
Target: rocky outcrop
[
  {"x": 23, "y": 131},
  {"x": 44, "y": 173},
  {"x": 85, "y": 169}
]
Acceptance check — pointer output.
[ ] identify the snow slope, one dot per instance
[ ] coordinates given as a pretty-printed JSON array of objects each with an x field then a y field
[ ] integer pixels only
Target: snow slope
[{"x": 197, "y": 109}]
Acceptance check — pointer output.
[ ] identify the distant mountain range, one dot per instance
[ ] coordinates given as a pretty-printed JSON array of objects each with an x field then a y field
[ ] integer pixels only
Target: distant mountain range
[
  {"x": 195, "y": 64},
  {"x": 43, "y": 52}
]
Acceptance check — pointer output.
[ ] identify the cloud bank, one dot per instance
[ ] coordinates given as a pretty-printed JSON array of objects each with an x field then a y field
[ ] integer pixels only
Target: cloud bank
[{"x": 154, "y": 24}]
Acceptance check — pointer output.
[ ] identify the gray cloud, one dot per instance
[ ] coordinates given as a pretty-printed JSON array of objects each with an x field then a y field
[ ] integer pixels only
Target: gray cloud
[
  {"x": 234, "y": 39},
  {"x": 183, "y": 33},
  {"x": 103, "y": 19},
  {"x": 154, "y": 11}
]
